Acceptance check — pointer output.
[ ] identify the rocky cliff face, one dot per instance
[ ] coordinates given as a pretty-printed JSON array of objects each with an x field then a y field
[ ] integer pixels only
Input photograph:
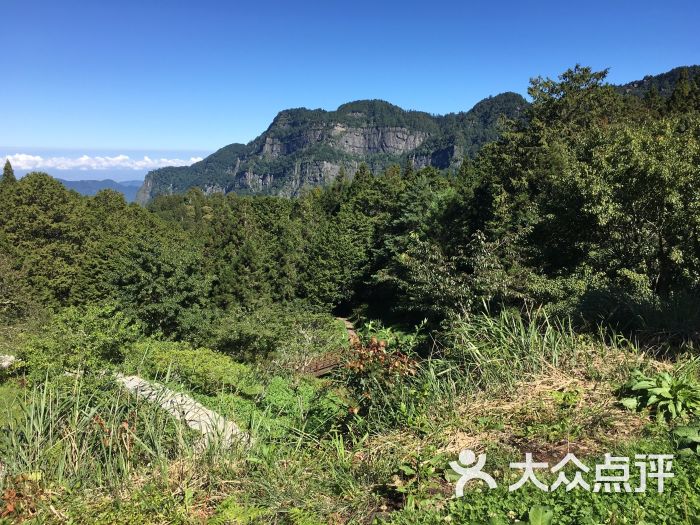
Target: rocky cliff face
[
  {"x": 354, "y": 141},
  {"x": 304, "y": 148},
  {"x": 366, "y": 141}
]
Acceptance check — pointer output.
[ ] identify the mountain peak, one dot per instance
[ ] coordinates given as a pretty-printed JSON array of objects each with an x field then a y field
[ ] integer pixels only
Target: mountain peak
[
  {"x": 368, "y": 106},
  {"x": 308, "y": 147}
]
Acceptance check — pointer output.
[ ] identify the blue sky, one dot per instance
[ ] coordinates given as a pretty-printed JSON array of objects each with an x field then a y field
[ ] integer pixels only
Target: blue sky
[{"x": 193, "y": 76}]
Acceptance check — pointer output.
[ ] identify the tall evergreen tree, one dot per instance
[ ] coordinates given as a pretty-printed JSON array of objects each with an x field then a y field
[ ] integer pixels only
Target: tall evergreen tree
[
  {"x": 695, "y": 93},
  {"x": 654, "y": 101},
  {"x": 408, "y": 167},
  {"x": 8, "y": 174},
  {"x": 680, "y": 100}
]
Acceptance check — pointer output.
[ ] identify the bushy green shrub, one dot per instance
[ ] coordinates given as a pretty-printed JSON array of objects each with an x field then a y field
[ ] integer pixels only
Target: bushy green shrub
[
  {"x": 87, "y": 338},
  {"x": 202, "y": 369},
  {"x": 390, "y": 385},
  {"x": 284, "y": 396},
  {"x": 276, "y": 330},
  {"x": 287, "y": 405},
  {"x": 329, "y": 410},
  {"x": 377, "y": 374},
  {"x": 395, "y": 339},
  {"x": 311, "y": 404}
]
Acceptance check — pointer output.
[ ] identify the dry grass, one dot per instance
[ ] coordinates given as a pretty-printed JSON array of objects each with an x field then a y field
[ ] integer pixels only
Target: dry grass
[
  {"x": 550, "y": 414},
  {"x": 555, "y": 412}
]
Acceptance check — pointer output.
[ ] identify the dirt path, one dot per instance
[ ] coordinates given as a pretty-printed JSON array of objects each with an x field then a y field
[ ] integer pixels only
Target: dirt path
[
  {"x": 350, "y": 327},
  {"x": 212, "y": 426}
]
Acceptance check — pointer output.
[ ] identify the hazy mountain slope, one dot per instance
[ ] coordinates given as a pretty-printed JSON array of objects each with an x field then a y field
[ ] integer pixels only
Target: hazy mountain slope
[{"x": 91, "y": 187}]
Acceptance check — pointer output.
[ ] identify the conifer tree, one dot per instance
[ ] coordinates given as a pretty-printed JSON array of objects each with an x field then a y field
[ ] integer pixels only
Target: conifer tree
[
  {"x": 408, "y": 167},
  {"x": 695, "y": 93},
  {"x": 680, "y": 100},
  {"x": 8, "y": 174},
  {"x": 654, "y": 101}
]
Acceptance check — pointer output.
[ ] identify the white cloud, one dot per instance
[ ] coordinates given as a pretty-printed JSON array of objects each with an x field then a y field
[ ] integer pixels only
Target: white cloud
[{"x": 24, "y": 161}]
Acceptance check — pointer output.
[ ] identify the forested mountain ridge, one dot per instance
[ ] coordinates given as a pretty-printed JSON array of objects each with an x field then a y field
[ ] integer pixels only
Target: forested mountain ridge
[
  {"x": 305, "y": 147},
  {"x": 662, "y": 83}
]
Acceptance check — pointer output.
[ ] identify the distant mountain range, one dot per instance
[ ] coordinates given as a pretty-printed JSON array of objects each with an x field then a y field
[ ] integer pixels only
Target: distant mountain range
[
  {"x": 305, "y": 148},
  {"x": 91, "y": 187}
]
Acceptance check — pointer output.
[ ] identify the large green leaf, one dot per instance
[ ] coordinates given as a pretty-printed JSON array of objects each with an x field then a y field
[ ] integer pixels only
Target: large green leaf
[
  {"x": 540, "y": 515},
  {"x": 691, "y": 434},
  {"x": 661, "y": 392}
]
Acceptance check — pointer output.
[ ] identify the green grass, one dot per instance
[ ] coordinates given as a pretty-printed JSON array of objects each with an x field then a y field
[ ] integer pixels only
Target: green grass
[
  {"x": 81, "y": 450},
  {"x": 678, "y": 504},
  {"x": 10, "y": 400},
  {"x": 498, "y": 351},
  {"x": 72, "y": 432}
]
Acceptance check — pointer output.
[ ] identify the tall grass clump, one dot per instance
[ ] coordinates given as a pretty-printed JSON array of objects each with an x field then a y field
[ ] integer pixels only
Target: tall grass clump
[
  {"x": 497, "y": 351},
  {"x": 79, "y": 432}
]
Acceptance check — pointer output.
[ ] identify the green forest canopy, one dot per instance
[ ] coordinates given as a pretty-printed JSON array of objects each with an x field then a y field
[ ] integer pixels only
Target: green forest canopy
[{"x": 588, "y": 206}]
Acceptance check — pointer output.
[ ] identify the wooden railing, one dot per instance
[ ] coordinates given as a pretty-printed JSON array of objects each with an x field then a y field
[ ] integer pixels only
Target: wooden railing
[{"x": 322, "y": 365}]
